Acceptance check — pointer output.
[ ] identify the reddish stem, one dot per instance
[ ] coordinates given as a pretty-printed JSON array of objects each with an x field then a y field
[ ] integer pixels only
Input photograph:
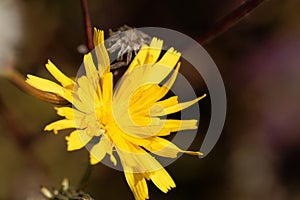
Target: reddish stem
[
  {"x": 228, "y": 21},
  {"x": 87, "y": 25}
]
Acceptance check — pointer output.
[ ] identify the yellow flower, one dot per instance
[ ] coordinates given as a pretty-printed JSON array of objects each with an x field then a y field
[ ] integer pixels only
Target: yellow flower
[{"x": 128, "y": 120}]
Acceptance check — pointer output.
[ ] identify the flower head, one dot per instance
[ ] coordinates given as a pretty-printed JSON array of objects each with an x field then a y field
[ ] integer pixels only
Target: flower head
[
  {"x": 128, "y": 121},
  {"x": 126, "y": 40}
]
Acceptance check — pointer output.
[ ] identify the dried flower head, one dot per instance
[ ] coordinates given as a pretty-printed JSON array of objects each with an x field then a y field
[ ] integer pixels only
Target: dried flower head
[{"x": 126, "y": 41}]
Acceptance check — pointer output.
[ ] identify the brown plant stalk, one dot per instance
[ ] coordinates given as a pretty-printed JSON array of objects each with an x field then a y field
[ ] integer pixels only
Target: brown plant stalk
[
  {"x": 229, "y": 21},
  {"x": 87, "y": 25}
]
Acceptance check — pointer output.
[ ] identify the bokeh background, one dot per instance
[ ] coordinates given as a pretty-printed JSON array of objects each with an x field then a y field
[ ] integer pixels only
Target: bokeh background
[{"x": 258, "y": 154}]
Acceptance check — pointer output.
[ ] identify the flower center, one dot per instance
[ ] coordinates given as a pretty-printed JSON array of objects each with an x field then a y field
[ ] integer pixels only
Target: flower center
[{"x": 104, "y": 119}]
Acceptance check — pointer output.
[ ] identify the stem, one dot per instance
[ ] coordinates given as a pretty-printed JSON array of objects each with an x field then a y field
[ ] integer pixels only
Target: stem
[
  {"x": 87, "y": 25},
  {"x": 228, "y": 21},
  {"x": 18, "y": 80},
  {"x": 85, "y": 177}
]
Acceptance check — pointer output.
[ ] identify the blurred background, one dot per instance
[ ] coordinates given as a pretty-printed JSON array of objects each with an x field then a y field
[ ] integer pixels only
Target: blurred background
[{"x": 258, "y": 153}]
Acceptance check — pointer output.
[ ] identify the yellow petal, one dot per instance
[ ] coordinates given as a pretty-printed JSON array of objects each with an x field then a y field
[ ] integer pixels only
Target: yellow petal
[
  {"x": 168, "y": 102},
  {"x": 159, "y": 107},
  {"x": 142, "y": 91},
  {"x": 87, "y": 98},
  {"x": 107, "y": 83},
  {"x": 45, "y": 85},
  {"x": 68, "y": 95},
  {"x": 132, "y": 97},
  {"x": 154, "y": 51},
  {"x": 152, "y": 94},
  {"x": 90, "y": 70},
  {"x": 169, "y": 83},
  {"x": 77, "y": 139},
  {"x": 138, "y": 59},
  {"x": 138, "y": 185},
  {"x": 101, "y": 53},
  {"x": 60, "y": 125},
  {"x": 171, "y": 125},
  {"x": 77, "y": 103},
  {"x": 139, "y": 131},
  {"x": 99, "y": 150},
  {"x": 137, "y": 160},
  {"x": 170, "y": 58},
  {"x": 147, "y": 54},
  {"x": 85, "y": 85},
  {"x": 144, "y": 98},
  {"x": 68, "y": 113},
  {"x": 163, "y": 147},
  {"x": 151, "y": 73},
  {"x": 156, "y": 73},
  {"x": 49, "y": 86},
  {"x": 86, "y": 95},
  {"x": 174, "y": 125},
  {"x": 58, "y": 75},
  {"x": 178, "y": 107},
  {"x": 162, "y": 180},
  {"x": 99, "y": 97},
  {"x": 98, "y": 37},
  {"x": 132, "y": 82},
  {"x": 119, "y": 141}
]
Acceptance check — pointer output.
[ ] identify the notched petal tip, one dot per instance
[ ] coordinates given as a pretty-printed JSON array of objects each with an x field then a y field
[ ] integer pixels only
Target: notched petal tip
[
  {"x": 64, "y": 80},
  {"x": 50, "y": 128},
  {"x": 162, "y": 180},
  {"x": 77, "y": 140},
  {"x": 98, "y": 36}
]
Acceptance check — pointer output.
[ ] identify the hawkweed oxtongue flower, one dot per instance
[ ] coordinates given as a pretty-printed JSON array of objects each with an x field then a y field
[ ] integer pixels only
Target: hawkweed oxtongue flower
[{"x": 127, "y": 121}]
